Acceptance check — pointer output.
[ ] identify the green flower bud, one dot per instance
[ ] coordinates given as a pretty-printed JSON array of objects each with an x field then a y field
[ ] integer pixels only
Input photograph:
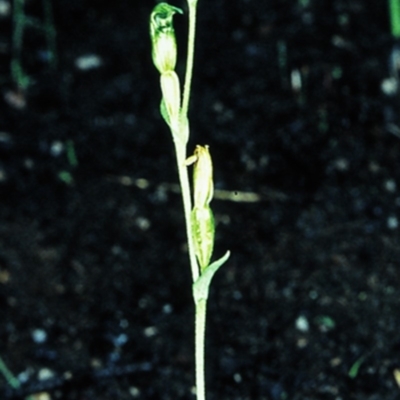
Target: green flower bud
[
  {"x": 171, "y": 101},
  {"x": 202, "y": 218},
  {"x": 203, "y": 185},
  {"x": 163, "y": 37}
]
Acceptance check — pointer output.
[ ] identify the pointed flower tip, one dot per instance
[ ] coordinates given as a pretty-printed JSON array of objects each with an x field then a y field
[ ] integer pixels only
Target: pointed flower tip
[{"x": 166, "y": 9}]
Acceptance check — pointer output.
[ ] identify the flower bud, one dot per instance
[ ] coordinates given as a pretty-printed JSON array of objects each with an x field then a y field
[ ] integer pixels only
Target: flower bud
[
  {"x": 163, "y": 37},
  {"x": 171, "y": 101},
  {"x": 203, "y": 225},
  {"x": 203, "y": 186}
]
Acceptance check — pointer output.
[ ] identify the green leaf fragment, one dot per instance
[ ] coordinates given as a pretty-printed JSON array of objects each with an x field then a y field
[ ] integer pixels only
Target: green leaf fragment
[
  {"x": 71, "y": 154},
  {"x": 353, "y": 372},
  {"x": 325, "y": 322}
]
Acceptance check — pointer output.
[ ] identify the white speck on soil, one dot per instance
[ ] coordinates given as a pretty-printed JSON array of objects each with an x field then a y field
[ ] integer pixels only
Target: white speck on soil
[
  {"x": 39, "y": 336},
  {"x": 167, "y": 309},
  {"x": 392, "y": 222},
  {"x": 390, "y": 185},
  {"x": 150, "y": 331},
  {"x": 88, "y": 62},
  {"x": 302, "y": 324},
  {"x": 45, "y": 373}
]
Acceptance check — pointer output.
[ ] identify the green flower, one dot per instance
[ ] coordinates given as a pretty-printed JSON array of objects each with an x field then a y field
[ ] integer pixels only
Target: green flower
[{"x": 163, "y": 39}]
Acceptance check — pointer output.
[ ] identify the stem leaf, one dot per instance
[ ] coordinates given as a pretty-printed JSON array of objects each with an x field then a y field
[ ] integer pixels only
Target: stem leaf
[{"x": 202, "y": 284}]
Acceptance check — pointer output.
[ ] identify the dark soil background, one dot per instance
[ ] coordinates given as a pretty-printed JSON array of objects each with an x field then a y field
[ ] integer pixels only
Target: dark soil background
[{"x": 292, "y": 97}]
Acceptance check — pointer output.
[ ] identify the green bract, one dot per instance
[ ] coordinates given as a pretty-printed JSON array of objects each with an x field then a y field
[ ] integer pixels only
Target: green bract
[
  {"x": 170, "y": 106},
  {"x": 203, "y": 235},
  {"x": 163, "y": 37}
]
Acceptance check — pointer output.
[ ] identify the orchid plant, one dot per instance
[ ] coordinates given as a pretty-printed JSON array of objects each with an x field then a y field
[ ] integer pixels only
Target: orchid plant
[{"x": 200, "y": 226}]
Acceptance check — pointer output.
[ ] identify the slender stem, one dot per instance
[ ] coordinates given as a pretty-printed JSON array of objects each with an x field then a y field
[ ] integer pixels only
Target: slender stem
[
  {"x": 394, "y": 11},
  {"x": 190, "y": 54},
  {"x": 200, "y": 329},
  {"x": 201, "y": 305},
  {"x": 18, "y": 28},
  {"x": 19, "y": 20},
  {"x": 180, "y": 147},
  {"x": 10, "y": 378},
  {"x": 8, "y": 375},
  {"x": 180, "y": 151}
]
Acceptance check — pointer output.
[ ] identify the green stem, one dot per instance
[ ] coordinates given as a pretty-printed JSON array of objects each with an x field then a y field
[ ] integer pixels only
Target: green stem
[
  {"x": 19, "y": 20},
  {"x": 10, "y": 378},
  {"x": 18, "y": 28},
  {"x": 200, "y": 294},
  {"x": 180, "y": 151},
  {"x": 180, "y": 145},
  {"x": 8, "y": 375},
  {"x": 200, "y": 329},
  {"x": 201, "y": 305},
  {"x": 189, "y": 61},
  {"x": 394, "y": 11}
]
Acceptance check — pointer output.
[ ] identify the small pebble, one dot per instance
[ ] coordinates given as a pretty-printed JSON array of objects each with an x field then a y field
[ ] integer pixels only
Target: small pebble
[
  {"x": 5, "y": 8},
  {"x": 237, "y": 295},
  {"x": 124, "y": 323},
  {"x": 389, "y": 86},
  {"x": 88, "y": 62},
  {"x": 142, "y": 183},
  {"x": 150, "y": 331},
  {"x": 390, "y": 185},
  {"x": 313, "y": 294},
  {"x": 237, "y": 378},
  {"x": 29, "y": 163},
  {"x": 167, "y": 309},
  {"x": 56, "y": 148},
  {"x": 134, "y": 391},
  {"x": 5, "y": 138},
  {"x": 120, "y": 339},
  {"x": 341, "y": 164},
  {"x": 45, "y": 374},
  {"x": 114, "y": 357},
  {"x": 23, "y": 376},
  {"x": 302, "y": 324},
  {"x": 143, "y": 223},
  {"x": 295, "y": 79},
  {"x": 39, "y": 336},
  {"x": 41, "y": 396},
  {"x": 302, "y": 343},
  {"x": 15, "y": 99},
  {"x": 392, "y": 222}
]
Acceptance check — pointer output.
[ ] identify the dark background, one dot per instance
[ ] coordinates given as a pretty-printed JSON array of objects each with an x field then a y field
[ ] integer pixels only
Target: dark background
[{"x": 95, "y": 289}]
